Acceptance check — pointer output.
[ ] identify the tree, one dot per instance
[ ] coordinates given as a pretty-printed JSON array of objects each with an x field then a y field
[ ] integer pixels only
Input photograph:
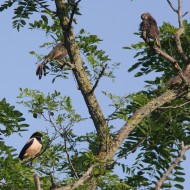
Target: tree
[{"x": 156, "y": 119}]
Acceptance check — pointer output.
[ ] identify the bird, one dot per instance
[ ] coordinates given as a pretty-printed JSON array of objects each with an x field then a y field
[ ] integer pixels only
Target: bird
[
  {"x": 58, "y": 53},
  {"x": 32, "y": 147},
  {"x": 149, "y": 28}
]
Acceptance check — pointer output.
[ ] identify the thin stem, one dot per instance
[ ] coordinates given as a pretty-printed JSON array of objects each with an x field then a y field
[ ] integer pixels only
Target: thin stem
[
  {"x": 173, "y": 165},
  {"x": 68, "y": 156},
  {"x": 99, "y": 77}
]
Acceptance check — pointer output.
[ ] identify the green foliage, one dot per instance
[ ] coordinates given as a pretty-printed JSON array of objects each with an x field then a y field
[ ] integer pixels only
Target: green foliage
[
  {"x": 94, "y": 57},
  {"x": 148, "y": 61},
  {"x": 156, "y": 140},
  {"x": 10, "y": 119},
  {"x": 6, "y": 5},
  {"x": 65, "y": 155},
  {"x": 11, "y": 176}
]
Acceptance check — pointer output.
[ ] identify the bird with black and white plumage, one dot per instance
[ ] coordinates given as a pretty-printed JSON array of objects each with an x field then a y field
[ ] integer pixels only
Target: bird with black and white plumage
[
  {"x": 149, "y": 28},
  {"x": 58, "y": 53},
  {"x": 32, "y": 147}
]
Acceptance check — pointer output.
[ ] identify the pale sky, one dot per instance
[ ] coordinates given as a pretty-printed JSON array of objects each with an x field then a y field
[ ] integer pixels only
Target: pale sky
[{"x": 113, "y": 21}]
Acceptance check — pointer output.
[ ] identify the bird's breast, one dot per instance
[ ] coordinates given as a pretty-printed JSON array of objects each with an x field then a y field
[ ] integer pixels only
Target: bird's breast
[{"x": 34, "y": 148}]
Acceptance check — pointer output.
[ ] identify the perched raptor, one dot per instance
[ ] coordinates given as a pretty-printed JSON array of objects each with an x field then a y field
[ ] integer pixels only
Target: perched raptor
[
  {"x": 32, "y": 147},
  {"x": 58, "y": 53},
  {"x": 149, "y": 28}
]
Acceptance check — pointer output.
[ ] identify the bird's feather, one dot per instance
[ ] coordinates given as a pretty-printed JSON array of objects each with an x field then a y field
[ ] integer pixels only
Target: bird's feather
[{"x": 26, "y": 146}]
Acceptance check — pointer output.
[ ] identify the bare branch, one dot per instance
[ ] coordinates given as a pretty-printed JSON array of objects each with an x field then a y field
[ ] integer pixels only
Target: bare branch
[
  {"x": 37, "y": 182},
  {"x": 173, "y": 165},
  {"x": 174, "y": 107},
  {"x": 185, "y": 13},
  {"x": 75, "y": 5},
  {"x": 99, "y": 77},
  {"x": 171, "y": 5},
  {"x": 180, "y": 31}
]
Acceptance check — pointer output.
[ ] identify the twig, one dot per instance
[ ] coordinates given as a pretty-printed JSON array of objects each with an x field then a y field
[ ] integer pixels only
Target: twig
[
  {"x": 72, "y": 13},
  {"x": 65, "y": 141},
  {"x": 171, "y": 5},
  {"x": 173, "y": 165},
  {"x": 99, "y": 77},
  {"x": 185, "y": 13},
  {"x": 169, "y": 58},
  {"x": 68, "y": 156},
  {"x": 46, "y": 8},
  {"x": 37, "y": 182},
  {"x": 174, "y": 107},
  {"x": 70, "y": 65},
  {"x": 131, "y": 151},
  {"x": 180, "y": 31},
  {"x": 81, "y": 181}
]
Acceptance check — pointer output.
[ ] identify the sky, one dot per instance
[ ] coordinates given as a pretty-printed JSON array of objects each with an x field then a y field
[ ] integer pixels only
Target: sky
[{"x": 113, "y": 21}]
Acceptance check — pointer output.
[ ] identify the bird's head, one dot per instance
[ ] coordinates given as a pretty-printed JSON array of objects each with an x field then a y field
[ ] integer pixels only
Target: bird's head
[
  {"x": 36, "y": 134},
  {"x": 145, "y": 16}
]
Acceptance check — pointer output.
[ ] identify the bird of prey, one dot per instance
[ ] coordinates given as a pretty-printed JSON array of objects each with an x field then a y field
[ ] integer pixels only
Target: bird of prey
[
  {"x": 149, "y": 28},
  {"x": 32, "y": 147},
  {"x": 58, "y": 53}
]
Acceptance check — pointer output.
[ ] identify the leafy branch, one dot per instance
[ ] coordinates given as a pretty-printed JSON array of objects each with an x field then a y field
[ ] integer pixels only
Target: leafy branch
[{"x": 183, "y": 150}]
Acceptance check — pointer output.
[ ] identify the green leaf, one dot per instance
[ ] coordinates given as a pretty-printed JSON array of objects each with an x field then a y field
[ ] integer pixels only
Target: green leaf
[
  {"x": 44, "y": 18},
  {"x": 179, "y": 179},
  {"x": 179, "y": 186}
]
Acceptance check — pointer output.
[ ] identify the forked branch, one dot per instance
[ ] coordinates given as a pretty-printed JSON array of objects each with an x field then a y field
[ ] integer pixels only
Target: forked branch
[{"x": 180, "y": 31}]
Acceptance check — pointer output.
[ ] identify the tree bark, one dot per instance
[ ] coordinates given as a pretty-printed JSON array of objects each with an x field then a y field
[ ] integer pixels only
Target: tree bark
[{"x": 81, "y": 76}]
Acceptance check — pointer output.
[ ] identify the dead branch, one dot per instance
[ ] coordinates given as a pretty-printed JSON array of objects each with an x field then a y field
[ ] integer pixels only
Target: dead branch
[
  {"x": 185, "y": 13},
  {"x": 180, "y": 31},
  {"x": 171, "y": 5},
  {"x": 99, "y": 77},
  {"x": 174, "y": 107},
  {"x": 173, "y": 165},
  {"x": 37, "y": 182}
]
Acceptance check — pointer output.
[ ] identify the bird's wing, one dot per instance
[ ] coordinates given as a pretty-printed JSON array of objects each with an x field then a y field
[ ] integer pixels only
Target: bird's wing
[{"x": 26, "y": 146}]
